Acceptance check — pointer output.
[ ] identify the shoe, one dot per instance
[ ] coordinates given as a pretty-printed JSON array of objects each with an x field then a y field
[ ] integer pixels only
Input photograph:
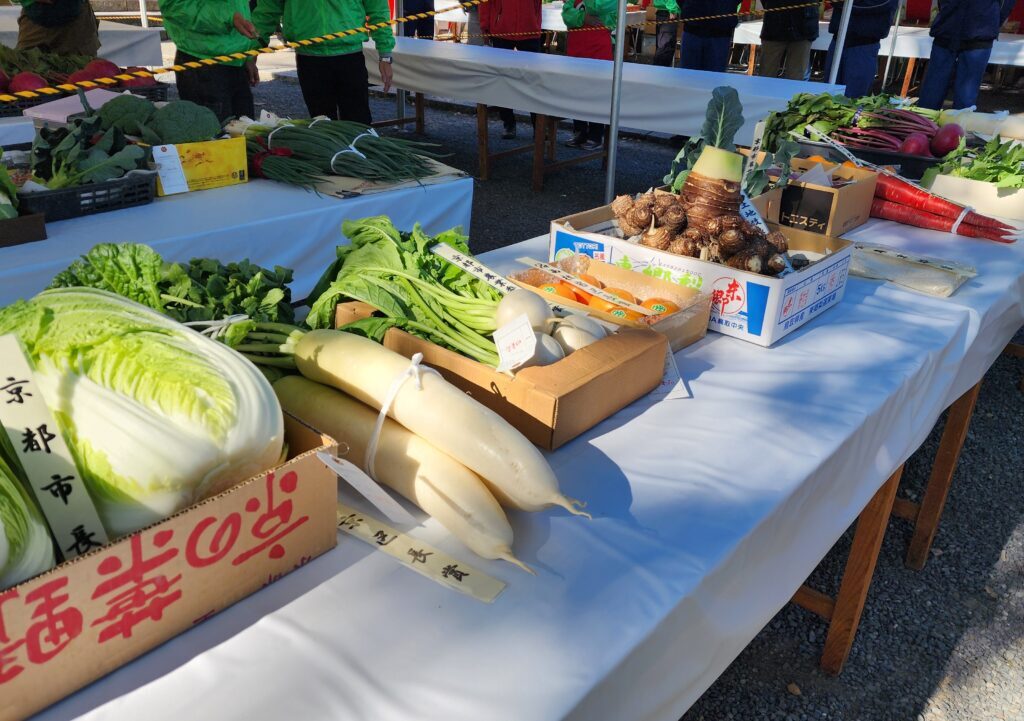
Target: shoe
[
  {"x": 590, "y": 144},
  {"x": 509, "y": 134},
  {"x": 576, "y": 142}
]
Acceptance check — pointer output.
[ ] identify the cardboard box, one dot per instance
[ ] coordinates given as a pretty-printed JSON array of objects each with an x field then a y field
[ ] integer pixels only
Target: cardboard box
[
  {"x": 550, "y": 405},
  {"x": 984, "y": 197},
  {"x": 211, "y": 164},
  {"x": 757, "y": 308},
  {"x": 684, "y": 327},
  {"x": 85, "y": 618},
  {"x": 820, "y": 208},
  {"x": 23, "y": 229}
]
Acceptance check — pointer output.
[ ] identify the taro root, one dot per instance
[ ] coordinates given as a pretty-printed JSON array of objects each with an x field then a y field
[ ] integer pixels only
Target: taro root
[
  {"x": 684, "y": 246},
  {"x": 731, "y": 241},
  {"x": 713, "y": 226},
  {"x": 752, "y": 229},
  {"x": 659, "y": 238},
  {"x": 731, "y": 222},
  {"x": 746, "y": 260},
  {"x": 665, "y": 200},
  {"x": 777, "y": 263},
  {"x": 799, "y": 262},
  {"x": 760, "y": 246},
  {"x": 639, "y": 216},
  {"x": 674, "y": 218},
  {"x": 697, "y": 235},
  {"x": 644, "y": 200},
  {"x": 628, "y": 230},
  {"x": 712, "y": 188},
  {"x": 778, "y": 241},
  {"x": 622, "y": 205}
]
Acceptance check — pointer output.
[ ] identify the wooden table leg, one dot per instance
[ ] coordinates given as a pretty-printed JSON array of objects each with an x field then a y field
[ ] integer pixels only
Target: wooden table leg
[
  {"x": 926, "y": 521},
  {"x": 551, "y": 130},
  {"x": 860, "y": 567},
  {"x": 752, "y": 60},
  {"x": 482, "y": 146},
  {"x": 539, "y": 125},
  {"x": 1015, "y": 349},
  {"x": 844, "y": 611},
  {"x": 421, "y": 126},
  {"x": 907, "y": 76}
]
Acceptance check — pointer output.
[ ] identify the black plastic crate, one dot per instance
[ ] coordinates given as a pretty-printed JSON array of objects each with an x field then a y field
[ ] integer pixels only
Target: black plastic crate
[
  {"x": 137, "y": 188},
  {"x": 910, "y": 166},
  {"x": 154, "y": 93}
]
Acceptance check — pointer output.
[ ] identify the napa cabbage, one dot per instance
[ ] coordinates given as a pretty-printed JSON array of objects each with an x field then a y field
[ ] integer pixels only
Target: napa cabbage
[
  {"x": 25, "y": 546},
  {"x": 157, "y": 416}
]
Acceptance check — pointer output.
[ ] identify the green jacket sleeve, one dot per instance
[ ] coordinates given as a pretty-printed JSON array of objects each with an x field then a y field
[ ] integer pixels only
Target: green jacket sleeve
[
  {"x": 198, "y": 16},
  {"x": 377, "y": 11},
  {"x": 267, "y": 17},
  {"x": 607, "y": 11},
  {"x": 672, "y": 6},
  {"x": 573, "y": 16}
]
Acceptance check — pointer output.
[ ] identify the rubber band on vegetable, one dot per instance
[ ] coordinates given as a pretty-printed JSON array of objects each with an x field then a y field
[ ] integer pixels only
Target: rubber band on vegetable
[
  {"x": 217, "y": 328},
  {"x": 270, "y": 135},
  {"x": 318, "y": 119},
  {"x": 414, "y": 371},
  {"x": 960, "y": 218}
]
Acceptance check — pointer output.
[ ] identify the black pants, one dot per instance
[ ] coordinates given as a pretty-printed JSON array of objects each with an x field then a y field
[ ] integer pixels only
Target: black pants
[
  {"x": 530, "y": 46},
  {"x": 423, "y": 28},
  {"x": 335, "y": 85},
  {"x": 589, "y": 131},
  {"x": 224, "y": 89},
  {"x": 665, "y": 39}
]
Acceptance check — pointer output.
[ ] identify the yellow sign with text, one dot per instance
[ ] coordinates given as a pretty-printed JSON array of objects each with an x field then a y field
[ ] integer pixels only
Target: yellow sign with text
[{"x": 188, "y": 167}]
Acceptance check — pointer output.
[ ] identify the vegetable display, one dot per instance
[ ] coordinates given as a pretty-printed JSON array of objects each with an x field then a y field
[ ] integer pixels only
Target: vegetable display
[
  {"x": 179, "y": 121},
  {"x": 25, "y": 546},
  {"x": 415, "y": 289},
  {"x": 156, "y": 415},
  {"x": 901, "y": 201},
  {"x": 204, "y": 289},
  {"x": 998, "y": 162},
  {"x": 35, "y": 68},
  {"x": 8, "y": 193}
]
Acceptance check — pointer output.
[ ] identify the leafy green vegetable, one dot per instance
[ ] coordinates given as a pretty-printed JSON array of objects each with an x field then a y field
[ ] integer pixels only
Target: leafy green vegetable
[
  {"x": 205, "y": 289},
  {"x": 183, "y": 121},
  {"x": 997, "y": 162},
  {"x": 156, "y": 415},
  {"x": 723, "y": 119},
  {"x": 127, "y": 113},
  {"x": 25, "y": 546},
  {"x": 51, "y": 66},
  {"x": 398, "y": 275}
]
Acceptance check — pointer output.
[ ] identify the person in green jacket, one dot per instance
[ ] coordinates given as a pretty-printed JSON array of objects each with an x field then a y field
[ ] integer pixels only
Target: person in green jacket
[
  {"x": 332, "y": 74},
  {"x": 204, "y": 29},
  {"x": 665, "y": 31},
  {"x": 65, "y": 27}
]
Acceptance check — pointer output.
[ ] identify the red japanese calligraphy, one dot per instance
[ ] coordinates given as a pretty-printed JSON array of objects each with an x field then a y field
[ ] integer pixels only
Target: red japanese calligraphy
[
  {"x": 54, "y": 626},
  {"x": 9, "y": 668},
  {"x": 727, "y": 296},
  {"x": 274, "y": 522},
  {"x": 220, "y": 544},
  {"x": 145, "y": 596}
]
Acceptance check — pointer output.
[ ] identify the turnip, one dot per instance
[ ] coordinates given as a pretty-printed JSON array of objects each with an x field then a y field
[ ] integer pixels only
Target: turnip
[
  {"x": 101, "y": 68},
  {"x": 432, "y": 408},
  {"x": 26, "y": 81},
  {"x": 547, "y": 351},
  {"x": 434, "y": 481},
  {"x": 916, "y": 144},
  {"x": 571, "y": 338},
  {"x": 137, "y": 82},
  {"x": 80, "y": 76},
  {"x": 947, "y": 139},
  {"x": 523, "y": 301}
]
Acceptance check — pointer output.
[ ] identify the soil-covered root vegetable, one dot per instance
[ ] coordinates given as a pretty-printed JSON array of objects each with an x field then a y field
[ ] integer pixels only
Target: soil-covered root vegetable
[
  {"x": 658, "y": 238},
  {"x": 432, "y": 408},
  {"x": 731, "y": 241},
  {"x": 622, "y": 205},
  {"x": 639, "y": 217},
  {"x": 746, "y": 260},
  {"x": 674, "y": 218},
  {"x": 777, "y": 240},
  {"x": 444, "y": 488},
  {"x": 777, "y": 263}
]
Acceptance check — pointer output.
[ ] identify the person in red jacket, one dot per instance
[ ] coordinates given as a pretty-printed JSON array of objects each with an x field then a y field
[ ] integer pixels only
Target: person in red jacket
[{"x": 511, "y": 25}]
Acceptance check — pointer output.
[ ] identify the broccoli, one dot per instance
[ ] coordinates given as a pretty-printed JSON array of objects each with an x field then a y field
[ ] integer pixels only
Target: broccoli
[
  {"x": 127, "y": 113},
  {"x": 182, "y": 121}
]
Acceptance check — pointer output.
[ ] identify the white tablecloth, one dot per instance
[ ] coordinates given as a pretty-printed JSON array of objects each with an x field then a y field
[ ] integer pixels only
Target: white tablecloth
[
  {"x": 266, "y": 222},
  {"x": 15, "y": 131},
  {"x": 551, "y": 15},
  {"x": 669, "y": 100},
  {"x": 708, "y": 514},
  {"x": 911, "y": 42},
  {"x": 119, "y": 43}
]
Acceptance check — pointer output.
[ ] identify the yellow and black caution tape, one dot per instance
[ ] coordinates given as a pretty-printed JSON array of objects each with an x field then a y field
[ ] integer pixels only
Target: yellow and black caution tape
[{"x": 65, "y": 88}]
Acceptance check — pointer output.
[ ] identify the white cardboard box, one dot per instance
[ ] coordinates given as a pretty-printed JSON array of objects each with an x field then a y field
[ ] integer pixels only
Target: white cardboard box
[
  {"x": 757, "y": 308},
  {"x": 984, "y": 197}
]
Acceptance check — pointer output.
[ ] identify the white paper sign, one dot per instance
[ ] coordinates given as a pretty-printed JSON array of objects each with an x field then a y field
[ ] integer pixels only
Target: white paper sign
[
  {"x": 368, "y": 489},
  {"x": 516, "y": 343},
  {"x": 672, "y": 385},
  {"x": 45, "y": 457},
  {"x": 168, "y": 167}
]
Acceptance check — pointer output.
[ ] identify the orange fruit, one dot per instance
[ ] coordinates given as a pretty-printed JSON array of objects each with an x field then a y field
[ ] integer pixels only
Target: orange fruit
[
  {"x": 624, "y": 294},
  {"x": 624, "y": 313},
  {"x": 601, "y": 304},
  {"x": 583, "y": 296},
  {"x": 559, "y": 288},
  {"x": 661, "y": 306}
]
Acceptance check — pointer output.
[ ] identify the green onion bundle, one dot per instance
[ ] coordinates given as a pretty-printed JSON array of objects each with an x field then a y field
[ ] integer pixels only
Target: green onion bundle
[
  {"x": 281, "y": 165},
  {"x": 354, "y": 150}
]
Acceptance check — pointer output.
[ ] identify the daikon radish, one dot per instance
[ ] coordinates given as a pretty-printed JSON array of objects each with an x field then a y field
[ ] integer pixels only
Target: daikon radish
[
  {"x": 437, "y": 483},
  {"x": 511, "y": 466}
]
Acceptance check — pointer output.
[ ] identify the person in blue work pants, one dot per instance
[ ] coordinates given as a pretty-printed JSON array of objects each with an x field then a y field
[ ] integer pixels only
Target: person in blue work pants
[
  {"x": 706, "y": 43},
  {"x": 963, "y": 32},
  {"x": 870, "y": 21}
]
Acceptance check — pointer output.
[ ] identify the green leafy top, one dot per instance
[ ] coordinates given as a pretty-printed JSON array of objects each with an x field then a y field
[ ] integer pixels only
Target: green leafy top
[
  {"x": 724, "y": 118},
  {"x": 998, "y": 162}
]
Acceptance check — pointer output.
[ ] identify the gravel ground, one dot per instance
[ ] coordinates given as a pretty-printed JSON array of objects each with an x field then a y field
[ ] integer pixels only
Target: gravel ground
[{"x": 945, "y": 644}]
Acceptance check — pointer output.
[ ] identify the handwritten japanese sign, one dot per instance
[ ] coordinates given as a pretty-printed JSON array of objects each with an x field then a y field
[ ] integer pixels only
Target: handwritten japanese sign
[
  {"x": 516, "y": 343},
  {"x": 418, "y": 556},
  {"x": 45, "y": 456},
  {"x": 749, "y": 213},
  {"x": 584, "y": 285}
]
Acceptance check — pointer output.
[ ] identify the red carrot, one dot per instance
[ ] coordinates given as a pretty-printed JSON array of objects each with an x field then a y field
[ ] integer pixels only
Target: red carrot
[
  {"x": 900, "y": 191},
  {"x": 908, "y": 215}
]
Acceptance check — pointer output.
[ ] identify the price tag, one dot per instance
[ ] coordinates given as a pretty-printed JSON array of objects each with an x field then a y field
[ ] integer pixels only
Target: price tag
[
  {"x": 516, "y": 343},
  {"x": 583, "y": 285},
  {"x": 749, "y": 213},
  {"x": 368, "y": 488},
  {"x": 418, "y": 556},
  {"x": 168, "y": 167},
  {"x": 672, "y": 385},
  {"x": 45, "y": 457}
]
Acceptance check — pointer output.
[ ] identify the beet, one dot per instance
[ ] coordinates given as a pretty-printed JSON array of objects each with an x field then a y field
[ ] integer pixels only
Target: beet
[
  {"x": 946, "y": 139},
  {"x": 80, "y": 75},
  {"x": 916, "y": 144},
  {"x": 26, "y": 81},
  {"x": 137, "y": 82},
  {"x": 101, "y": 68}
]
